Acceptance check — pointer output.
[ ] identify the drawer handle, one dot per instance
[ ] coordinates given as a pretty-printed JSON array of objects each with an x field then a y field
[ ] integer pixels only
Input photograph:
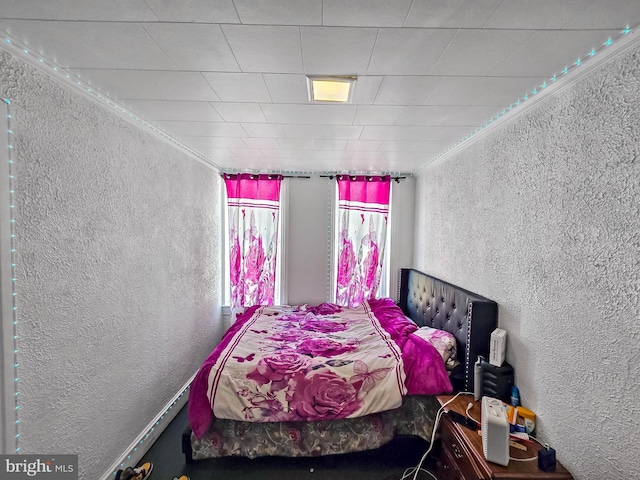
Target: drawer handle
[{"x": 456, "y": 452}]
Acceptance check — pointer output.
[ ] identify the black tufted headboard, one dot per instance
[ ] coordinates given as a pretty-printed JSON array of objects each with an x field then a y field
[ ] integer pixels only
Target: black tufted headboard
[{"x": 438, "y": 304}]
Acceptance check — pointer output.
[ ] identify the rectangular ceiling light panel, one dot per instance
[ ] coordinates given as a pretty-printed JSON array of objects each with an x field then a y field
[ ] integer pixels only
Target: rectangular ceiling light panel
[{"x": 330, "y": 89}]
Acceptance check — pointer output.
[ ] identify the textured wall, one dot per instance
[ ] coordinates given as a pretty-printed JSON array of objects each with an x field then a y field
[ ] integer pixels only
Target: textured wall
[
  {"x": 118, "y": 260},
  {"x": 543, "y": 216}
]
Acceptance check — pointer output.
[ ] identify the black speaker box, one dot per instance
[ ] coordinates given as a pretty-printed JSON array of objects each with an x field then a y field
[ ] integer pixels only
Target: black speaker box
[{"x": 497, "y": 381}]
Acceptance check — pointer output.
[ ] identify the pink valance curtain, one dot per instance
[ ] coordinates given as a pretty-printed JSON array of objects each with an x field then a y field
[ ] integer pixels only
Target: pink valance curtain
[
  {"x": 254, "y": 205},
  {"x": 363, "y": 209}
]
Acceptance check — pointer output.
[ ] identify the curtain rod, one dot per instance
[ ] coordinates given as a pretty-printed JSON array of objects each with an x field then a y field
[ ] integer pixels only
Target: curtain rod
[
  {"x": 397, "y": 179},
  {"x": 268, "y": 174}
]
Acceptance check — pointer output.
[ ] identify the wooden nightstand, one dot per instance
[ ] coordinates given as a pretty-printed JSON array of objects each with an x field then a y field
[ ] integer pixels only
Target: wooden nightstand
[{"x": 461, "y": 456}]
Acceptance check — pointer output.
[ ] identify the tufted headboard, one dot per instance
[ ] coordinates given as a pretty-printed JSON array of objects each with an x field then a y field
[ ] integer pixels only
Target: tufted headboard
[{"x": 469, "y": 317}]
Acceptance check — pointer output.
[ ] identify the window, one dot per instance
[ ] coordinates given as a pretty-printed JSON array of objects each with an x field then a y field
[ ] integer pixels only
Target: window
[
  {"x": 360, "y": 236},
  {"x": 252, "y": 243}
]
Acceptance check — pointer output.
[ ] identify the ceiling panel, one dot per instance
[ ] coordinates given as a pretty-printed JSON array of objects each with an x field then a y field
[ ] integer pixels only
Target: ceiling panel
[
  {"x": 113, "y": 10},
  {"x": 265, "y": 48},
  {"x": 478, "y": 52},
  {"x": 366, "y": 13},
  {"x": 194, "y": 47},
  {"x": 451, "y": 14},
  {"x": 189, "y": 11},
  {"x": 378, "y": 114},
  {"x": 408, "y": 51},
  {"x": 280, "y": 12},
  {"x": 238, "y": 87},
  {"x": 152, "y": 110},
  {"x": 240, "y": 112},
  {"x": 527, "y": 15},
  {"x": 337, "y": 51},
  {"x": 228, "y": 77},
  {"x": 537, "y": 54},
  {"x": 406, "y": 90}
]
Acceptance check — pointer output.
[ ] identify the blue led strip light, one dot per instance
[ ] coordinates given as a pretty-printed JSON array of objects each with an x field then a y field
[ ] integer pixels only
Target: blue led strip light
[
  {"x": 14, "y": 305},
  {"x": 569, "y": 68}
]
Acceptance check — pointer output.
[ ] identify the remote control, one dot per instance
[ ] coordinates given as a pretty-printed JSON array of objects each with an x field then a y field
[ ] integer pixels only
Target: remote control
[{"x": 462, "y": 420}]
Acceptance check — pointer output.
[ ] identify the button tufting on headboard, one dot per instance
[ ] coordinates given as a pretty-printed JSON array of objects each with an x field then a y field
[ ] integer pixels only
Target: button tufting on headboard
[{"x": 419, "y": 302}]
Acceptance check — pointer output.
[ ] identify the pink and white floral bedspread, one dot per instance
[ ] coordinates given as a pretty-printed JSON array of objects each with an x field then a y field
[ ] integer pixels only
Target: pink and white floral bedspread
[
  {"x": 314, "y": 363},
  {"x": 307, "y": 364}
]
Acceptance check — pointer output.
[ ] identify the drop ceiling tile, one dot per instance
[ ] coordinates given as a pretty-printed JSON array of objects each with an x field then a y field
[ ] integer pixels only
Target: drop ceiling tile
[
  {"x": 201, "y": 129},
  {"x": 432, "y": 148},
  {"x": 339, "y": 145},
  {"x": 287, "y": 88},
  {"x": 280, "y": 12},
  {"x": 540, "y": 53},
  {"x": 366, "y": 89},
  {"x": 363, "y": 145},
  {"x": 261, "y": 143},
  {"x": 214, "y": 154},
  {"x": 398, "y": 146},
  {"x": 408, "y": 51},
  {"x": 366, "y": 13},
  {"x": 113, "y": 10},
  {"x": 287, "y": 113},
  {"x": 340, "y": 132},
  {"x": 423, "y": 115},
  {"x": 122, "y": 45},
  {"x": 377, "y": 115},
  {"x": 181, "y": 86},
  {"x": 612, "y": 14},
  {"x": 478, "y": 52},
  {"x": 487, "y": 91},
  {"x": 543, "y": 14},
  {"x": 408, "y": 133},
  {"x": 191, "y": 46},
  {"x": 152, "y": 110},
  {"x": 301, "y": 131},
  {"x": 406, "y": 90},
  {"x": 469, "y": 115},
  {"x": 240, "y": 112},
  {"x": 332, "y": 114},
  {"x": 337, "y": 51},
  {"x": 205, "y": 11},
  {"x": 295, "y": 143},
  {"x": 121, "y": 84},
  {"x": 54, "y": 42},
  {"x": 238, "y": 87},
  {"x": 265, "y": 48},
  {"x": 263, "y": 130},
  {"x": 450, "y": 14}
]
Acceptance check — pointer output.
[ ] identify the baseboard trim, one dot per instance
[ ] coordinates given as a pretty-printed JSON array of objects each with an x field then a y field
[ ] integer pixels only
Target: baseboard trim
[{"x": 141, "y": 445}]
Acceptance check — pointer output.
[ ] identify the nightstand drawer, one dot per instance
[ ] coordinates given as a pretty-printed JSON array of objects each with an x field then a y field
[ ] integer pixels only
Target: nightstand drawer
[{"x": 457, "y": 462}]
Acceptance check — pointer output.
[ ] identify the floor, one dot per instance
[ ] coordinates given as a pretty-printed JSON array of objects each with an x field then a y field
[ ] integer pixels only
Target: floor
[{"x": 386, "y": 463}]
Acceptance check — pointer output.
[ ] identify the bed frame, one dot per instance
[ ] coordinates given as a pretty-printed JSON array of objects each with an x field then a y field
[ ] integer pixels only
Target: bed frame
[
  {"x": 432, "y": 302},
  {"x": 469, "y": 317}
]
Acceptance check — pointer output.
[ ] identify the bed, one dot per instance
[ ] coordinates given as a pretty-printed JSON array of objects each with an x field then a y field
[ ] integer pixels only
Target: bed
[{"x": 259, "y": 409}]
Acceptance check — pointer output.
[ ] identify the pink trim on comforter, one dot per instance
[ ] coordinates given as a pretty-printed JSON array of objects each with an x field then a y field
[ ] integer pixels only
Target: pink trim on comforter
[{"x": 423, "y": 367}]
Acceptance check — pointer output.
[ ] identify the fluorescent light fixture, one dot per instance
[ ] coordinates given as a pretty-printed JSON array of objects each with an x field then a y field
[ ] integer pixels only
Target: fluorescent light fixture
[{"x": 330, "y": 89}]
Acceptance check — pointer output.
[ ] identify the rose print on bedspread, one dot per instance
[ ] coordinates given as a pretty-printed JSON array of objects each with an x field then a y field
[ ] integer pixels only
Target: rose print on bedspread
[{"x": 301, "y": 372}]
